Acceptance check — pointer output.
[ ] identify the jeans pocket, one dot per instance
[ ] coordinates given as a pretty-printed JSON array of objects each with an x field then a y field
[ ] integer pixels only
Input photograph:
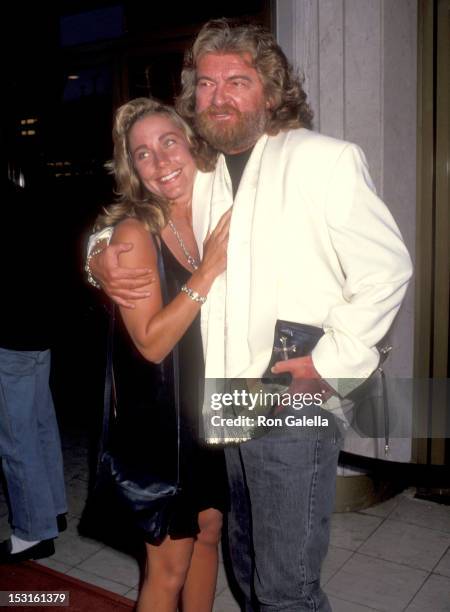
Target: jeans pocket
[{"x": 18, "y": 363}]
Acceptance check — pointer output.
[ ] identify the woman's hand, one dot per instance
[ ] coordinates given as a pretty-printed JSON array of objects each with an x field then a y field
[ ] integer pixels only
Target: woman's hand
[
  {"x": 122, "y": 285},
  {"x": 215, "y": 246}
]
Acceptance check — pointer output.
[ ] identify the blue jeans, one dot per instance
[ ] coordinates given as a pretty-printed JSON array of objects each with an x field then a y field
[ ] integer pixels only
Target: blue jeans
[
  {"x": 30, "y": 446},
  {"x": 282, "y": 490}
]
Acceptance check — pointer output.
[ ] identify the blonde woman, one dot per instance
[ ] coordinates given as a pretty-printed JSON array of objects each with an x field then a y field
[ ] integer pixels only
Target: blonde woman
[{"x": 155, "y": 163}]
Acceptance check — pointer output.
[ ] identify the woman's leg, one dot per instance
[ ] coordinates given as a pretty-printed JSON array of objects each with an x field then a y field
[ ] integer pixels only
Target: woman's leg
[
  {"x": 165, "y": 574},
  {"x": 200, "y": 586}
]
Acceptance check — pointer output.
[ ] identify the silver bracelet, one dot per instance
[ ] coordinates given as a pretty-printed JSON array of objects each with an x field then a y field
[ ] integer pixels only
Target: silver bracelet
[
  {"x": 194, "y": 295},
  {"x": 91, "y": 280}
]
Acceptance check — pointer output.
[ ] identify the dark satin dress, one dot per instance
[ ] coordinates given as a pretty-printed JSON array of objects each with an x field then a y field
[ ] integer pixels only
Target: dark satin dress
[{"x": 147, "y": 419}]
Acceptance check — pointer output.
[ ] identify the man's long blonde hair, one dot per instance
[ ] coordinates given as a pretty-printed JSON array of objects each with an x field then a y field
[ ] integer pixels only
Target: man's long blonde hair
[{"x": 289, "y": 108}]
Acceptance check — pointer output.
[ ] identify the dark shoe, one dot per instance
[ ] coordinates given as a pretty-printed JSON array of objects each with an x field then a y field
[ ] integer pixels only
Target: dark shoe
[
  {"x": 42, "y": 549},
  {"x": 61, "y": 522}
]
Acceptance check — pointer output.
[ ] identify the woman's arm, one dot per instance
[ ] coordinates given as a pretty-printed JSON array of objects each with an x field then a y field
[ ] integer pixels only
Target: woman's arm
[{"x": 153, "y": 328}]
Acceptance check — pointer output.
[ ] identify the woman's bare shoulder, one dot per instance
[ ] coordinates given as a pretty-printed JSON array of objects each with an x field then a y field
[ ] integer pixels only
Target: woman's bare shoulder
[
  {"x": 133, "y": 231},
  {"x": 129, "y": 228}
]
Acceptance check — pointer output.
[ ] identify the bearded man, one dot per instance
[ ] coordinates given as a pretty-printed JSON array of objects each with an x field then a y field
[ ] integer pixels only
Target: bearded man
[{"x": 310, "y": 243}]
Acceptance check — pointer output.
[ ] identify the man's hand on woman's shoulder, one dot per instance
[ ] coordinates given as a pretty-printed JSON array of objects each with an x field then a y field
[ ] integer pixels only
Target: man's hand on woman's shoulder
[{"x": 122, "y": 285}]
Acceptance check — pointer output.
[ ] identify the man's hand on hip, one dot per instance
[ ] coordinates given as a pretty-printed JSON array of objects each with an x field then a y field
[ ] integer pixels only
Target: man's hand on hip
[{"x": 306, "y": 379}]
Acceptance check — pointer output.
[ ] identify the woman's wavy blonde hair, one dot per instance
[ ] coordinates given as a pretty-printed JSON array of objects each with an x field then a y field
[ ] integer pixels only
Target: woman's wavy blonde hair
[
  {"x": 282, "y": 86},
  {"x": 133, "y": 198}
]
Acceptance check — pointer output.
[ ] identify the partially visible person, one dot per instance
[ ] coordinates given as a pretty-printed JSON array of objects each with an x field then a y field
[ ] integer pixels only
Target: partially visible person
[
  {"x": 30, "y": 448},
  {"x": 154, "y": 165}
]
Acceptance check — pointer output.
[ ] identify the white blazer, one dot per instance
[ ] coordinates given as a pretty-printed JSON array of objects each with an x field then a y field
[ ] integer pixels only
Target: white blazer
[{"x": 310, "y": 242}]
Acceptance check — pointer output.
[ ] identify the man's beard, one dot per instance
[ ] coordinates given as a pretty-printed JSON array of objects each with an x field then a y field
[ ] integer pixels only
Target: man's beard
[{"x": 239, "y": 136}]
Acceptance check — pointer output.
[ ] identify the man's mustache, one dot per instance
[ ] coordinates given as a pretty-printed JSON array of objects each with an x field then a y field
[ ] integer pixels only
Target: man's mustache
[{"x": 213, "y": 109}]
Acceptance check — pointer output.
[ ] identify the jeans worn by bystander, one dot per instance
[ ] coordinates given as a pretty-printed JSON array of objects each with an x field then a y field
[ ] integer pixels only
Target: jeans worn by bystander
[{"x": 30, "y": 447}]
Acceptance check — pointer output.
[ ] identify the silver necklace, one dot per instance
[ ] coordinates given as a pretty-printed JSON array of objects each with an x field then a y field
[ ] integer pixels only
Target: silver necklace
[{"x": 191, "y": 261}]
